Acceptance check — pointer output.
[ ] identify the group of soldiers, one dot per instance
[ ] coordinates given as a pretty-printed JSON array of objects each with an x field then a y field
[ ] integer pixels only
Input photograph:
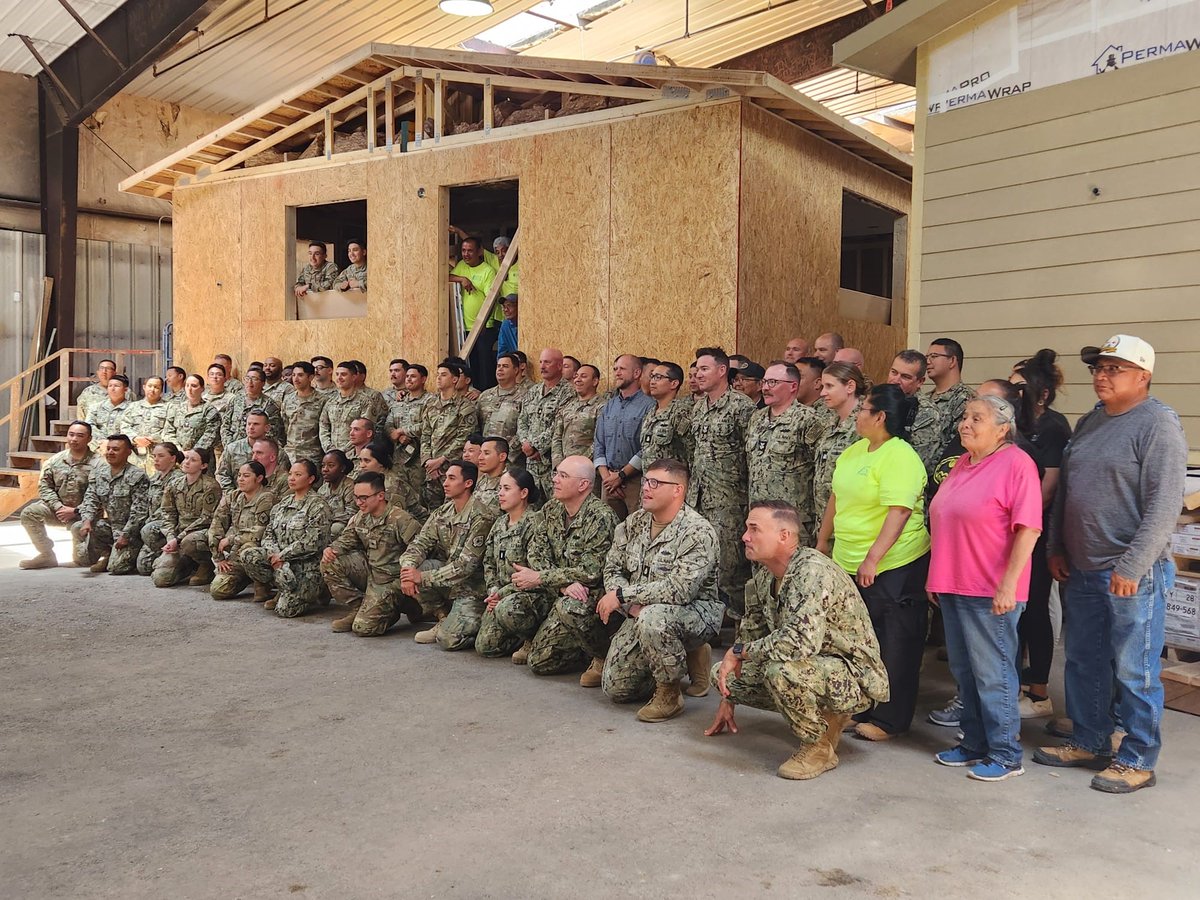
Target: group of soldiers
[{"x": 540, "y": 520}]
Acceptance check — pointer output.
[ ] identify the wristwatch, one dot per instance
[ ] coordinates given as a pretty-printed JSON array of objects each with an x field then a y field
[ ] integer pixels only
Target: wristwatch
[
  {"x": 620, "y": 595},
  {"x": 738, "y": 649}
]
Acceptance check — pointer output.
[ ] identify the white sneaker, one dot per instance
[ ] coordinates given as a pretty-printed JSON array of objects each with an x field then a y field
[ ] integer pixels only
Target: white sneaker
[{"x": 1035, "y": 709}]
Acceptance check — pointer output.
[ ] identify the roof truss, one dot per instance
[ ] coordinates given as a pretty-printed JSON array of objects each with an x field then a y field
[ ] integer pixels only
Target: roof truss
[{"x": 382, "y": 82}]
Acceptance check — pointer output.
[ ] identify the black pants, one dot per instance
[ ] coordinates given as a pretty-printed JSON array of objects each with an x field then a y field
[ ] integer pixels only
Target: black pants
[
  {"x": 897, "y": 605},
  {"x": 483, "y": 359},
  {"x": 1035, "y": 630}
]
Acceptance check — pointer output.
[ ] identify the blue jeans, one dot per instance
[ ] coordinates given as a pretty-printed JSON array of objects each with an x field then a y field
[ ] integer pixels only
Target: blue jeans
[
  {"x": 1111, "y": 637},
  {"x": 982, "y": 648}
]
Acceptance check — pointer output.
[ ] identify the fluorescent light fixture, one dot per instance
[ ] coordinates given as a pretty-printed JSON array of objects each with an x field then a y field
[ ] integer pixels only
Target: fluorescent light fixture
[{"x": 466, "y": 7}]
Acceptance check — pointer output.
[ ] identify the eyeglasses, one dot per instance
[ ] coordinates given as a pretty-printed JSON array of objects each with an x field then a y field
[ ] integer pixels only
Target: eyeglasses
[
  {"x": 363, "y": 498},
  {"x": 559, "y": 473},
  {"x": 866, "y": 411},
  {"x": 1110, "y": 371},
  {"x": 653, "y": 483},
  {"x": 929, "y": 356},
  {"x": 775, "y": 382},
  {"x": 657, "y": 377}
]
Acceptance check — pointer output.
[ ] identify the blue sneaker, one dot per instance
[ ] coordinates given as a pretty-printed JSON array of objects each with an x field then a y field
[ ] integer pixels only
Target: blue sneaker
[
  {"x": 957, "y": 756},
  {"x": 989, "y": 770}
]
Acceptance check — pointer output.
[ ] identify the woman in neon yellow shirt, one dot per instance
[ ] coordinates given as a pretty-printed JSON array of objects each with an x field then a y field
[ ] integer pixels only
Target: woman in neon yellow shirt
[{"x": 875, "y": 525}]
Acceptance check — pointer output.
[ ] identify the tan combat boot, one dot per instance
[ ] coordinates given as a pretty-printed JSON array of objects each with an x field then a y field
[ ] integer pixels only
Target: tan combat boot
[
  {"x": 666, "y": 703},
  {"x": 100, "y": 565},
  {"x": 263, "y": 593},
  {"x": 591, "y": 678},
  {"x": 835, "y": 724},
  {"x": 521, "y": 657},
  {"x": 809, "y": 761},
  {"x": 345, "y": 623},
  {"x": 430, "y": 635},
  {"x": 42, "y": 561},
  {"x": 203, "y": 574},
  {"x": 1070, "y": 756},
  {"x": 270, "y": 604},
  {"x": 1122, "y": 779},
  {"x": 699, "y": 665}
]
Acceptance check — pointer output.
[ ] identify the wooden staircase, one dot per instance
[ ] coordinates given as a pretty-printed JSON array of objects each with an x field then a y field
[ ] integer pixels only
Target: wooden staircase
[{"x": 19, "y": 478}]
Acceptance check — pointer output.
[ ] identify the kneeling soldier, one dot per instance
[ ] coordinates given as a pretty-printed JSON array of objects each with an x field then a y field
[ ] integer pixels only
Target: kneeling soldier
[{"x": 114, "y": 509}]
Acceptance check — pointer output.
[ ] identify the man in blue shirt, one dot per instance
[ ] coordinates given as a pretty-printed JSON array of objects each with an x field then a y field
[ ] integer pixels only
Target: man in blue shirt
[
  {"x": 506, "y": 342},
  {"x": 619, "y": 438}
]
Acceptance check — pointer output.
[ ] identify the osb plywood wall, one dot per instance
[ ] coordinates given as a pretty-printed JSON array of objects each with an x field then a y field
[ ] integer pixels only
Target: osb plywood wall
[
  {"x": 628, "y": 244},
  {"x": 790, "y": 240}
]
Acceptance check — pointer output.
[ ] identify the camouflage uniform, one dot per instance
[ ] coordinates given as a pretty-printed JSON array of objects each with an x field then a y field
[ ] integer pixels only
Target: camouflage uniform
[
  {"x": 234, "y": 385},
  {"x": 315, "y": 279},
  {"x": 455, "y": 588},
  {"x": 117, "y": 505},
  {"x": 445, "y": 427},
  {"x": 516, "y": 617},
  {"x": 278, "y": 392},
  {"x": 276, "y": 482},
  {"x": 951, "y": 404},
  {"x": 357, "y": 271},
  {"x": 106, "y": 419},
  {"x": 220, "y": 401},
  {"x": 243, "y": 520},
  {"x": 809, "y": 647},
  {"x": 927, "y": 433},
  {"x": 298, "y": 532},
  {"x": 340, "y": 411},
  {"x": 781, "y": 458},
  {"x": 235, "y": 455},
  {"x": 401, "y": 495},
  {"x": 147, "y": 420},
  {"x": 487, "y": 491},
  {"x": 302, "y": 422},
  {"x": 499, "y": 411},
  {"x": 719, "y": 483},
  {"x": 233, "y": 418},
  {"x": 193, "y": 427},
  {"x": 405, "y": 415},
  {"x": 63, "y": 482},
  {"x": 366, "y": 572},
  {"x": 673, "y": 577},
  {"x": 89, "y": 398},
  {"x": 152, "y": 536},
  {"x": 534, "y": 425},
  {"x": 836, "y": 439},
  {"x": 393, "y": 395},
  {"x": 187, "y": 513},
  {"x": 342, "y": 507},
  {"x": 667, "y": 433},
  {"x": 574, "y": 429},
  {"x": 565, "y": 551}
]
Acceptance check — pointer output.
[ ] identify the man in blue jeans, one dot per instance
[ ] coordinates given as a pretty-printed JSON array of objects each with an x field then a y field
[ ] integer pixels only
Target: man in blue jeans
[{"x": 1120, "y": 491}]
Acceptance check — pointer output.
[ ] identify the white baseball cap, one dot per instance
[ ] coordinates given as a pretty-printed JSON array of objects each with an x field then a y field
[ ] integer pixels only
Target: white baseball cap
[{"x": 1122, "y": 346}]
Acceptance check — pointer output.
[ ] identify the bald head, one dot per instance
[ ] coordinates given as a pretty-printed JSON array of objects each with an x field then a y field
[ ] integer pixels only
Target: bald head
[
  {"x": 850, "y": 355},
  {"x": 796, "y": 348},
  {"x": 827, "y": 345},
  {"x": 573, "y": 479},
  {"x": 550, "y": 364}
]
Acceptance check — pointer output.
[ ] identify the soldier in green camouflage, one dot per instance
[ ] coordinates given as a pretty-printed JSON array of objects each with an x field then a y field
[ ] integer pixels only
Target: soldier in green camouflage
[
  {"x": 454, "y": 534},
  {"x": 144, "y": 421},
  {"x": 337, "y": 490},
  {"x": 806, "y": 647},
  {"x": 719, "y": 475},
  {"x": 574, "y": 429},
  {"x": 192, "y": 421},
  {"x": 229, "y": 382},
  {"x": 61, "y": 488},
  {"x": 233, "y": 419},
  {"x": 301, "y": 411},
  {"x": 105, "y": 418},
  {"x": 350, "y": 402},
  {"x": 660, "y": 578},
  {"x": 289, "y": 557},
  {"x": 781, "y": 445},
  {"x": 238, "y": 523},
  {"x": 542, "y": 403},
  {"x": 275, "y": 463},
  {"x": 361, "y": 567},
  {"x": 950, "y": 394},
  {"x": 219, "y": 393},
  {"x": 403, "y": 426},
  {"x": 667, "y": 428},
  {"x": 354, "y": 276},
  {"x": 397, "y": 373},
  {"x": 165, "y": 471},
  {"x": 500, "y": 406},
  {"x": 319, "y": 273},
  {"x": 492, "y": 463},
  {"x": 842, "y": 388},
  {"x": 278, "y": 383},
  {"x": 108, "y": 534},
  {"x": 240, "y": 451},
  {"x": 566, "y": 560},
  {"x": 446, "y": 423},
  {"x": 512, "y": 616},
  {"x": 908, "y": 374},
  {"x": 188, "y": 507},
  {"x": 96, "y": 392}
]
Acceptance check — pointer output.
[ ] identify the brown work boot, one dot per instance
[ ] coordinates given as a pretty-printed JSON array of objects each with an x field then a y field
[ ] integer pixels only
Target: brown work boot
[
  {"x": 591, "y": 678},
  {"x": 835, "y": 723},
  {"x": 666, "y": 703},
  {"x": 808, "y": 762},
  {"x": 203, "y": 575},
  {"x": 345, "y": 623},
  {"x": 521, "y": 657},
  {"x": 270, "y": 604},
  {"x": 41, "y": 561},
  {"x": 699, "y": 665},
  {"x": 262, "y": 593},
  {"x": 100, "y": 565},
  {"x": 1122, "y": 779},
  {"x": 1071, "y": 756},
  {"x": 430, "y": 635}
]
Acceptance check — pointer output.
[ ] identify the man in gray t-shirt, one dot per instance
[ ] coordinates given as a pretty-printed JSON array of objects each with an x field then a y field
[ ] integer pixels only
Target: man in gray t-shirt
[{"x": 1119, "y": 493}]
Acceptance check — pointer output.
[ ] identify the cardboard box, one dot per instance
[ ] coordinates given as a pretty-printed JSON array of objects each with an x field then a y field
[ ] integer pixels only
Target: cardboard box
[
  {"x": 1185, "y": 544},
  {"x": 1183, "y": 613}
]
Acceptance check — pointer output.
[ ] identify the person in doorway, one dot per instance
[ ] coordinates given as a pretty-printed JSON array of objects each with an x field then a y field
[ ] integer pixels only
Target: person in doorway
[
  {"x": 474, "y": 275},
  {"x": 319, "y": 273},
  {"x": 354, "y": 276}
]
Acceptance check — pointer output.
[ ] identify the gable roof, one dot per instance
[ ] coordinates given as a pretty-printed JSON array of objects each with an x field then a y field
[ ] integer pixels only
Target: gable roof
[{"x": 397, "y": 79}]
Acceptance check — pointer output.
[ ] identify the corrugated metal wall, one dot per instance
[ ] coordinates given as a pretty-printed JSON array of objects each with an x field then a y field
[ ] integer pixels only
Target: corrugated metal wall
[{"x": 21, "y": 265}]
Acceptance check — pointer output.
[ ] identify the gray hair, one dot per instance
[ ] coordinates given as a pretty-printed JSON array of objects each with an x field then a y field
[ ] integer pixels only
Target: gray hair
[
  {"x": 1002, "y": 414},
  {"x": 499, "y": 242}
]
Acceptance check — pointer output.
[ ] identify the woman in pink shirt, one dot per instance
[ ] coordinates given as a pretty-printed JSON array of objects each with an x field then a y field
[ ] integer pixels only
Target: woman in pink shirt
[{"x": 984, "y": 521}]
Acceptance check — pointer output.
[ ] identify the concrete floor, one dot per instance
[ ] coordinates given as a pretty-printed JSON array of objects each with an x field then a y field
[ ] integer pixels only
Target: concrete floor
[{"x": 157, "y": 744}]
